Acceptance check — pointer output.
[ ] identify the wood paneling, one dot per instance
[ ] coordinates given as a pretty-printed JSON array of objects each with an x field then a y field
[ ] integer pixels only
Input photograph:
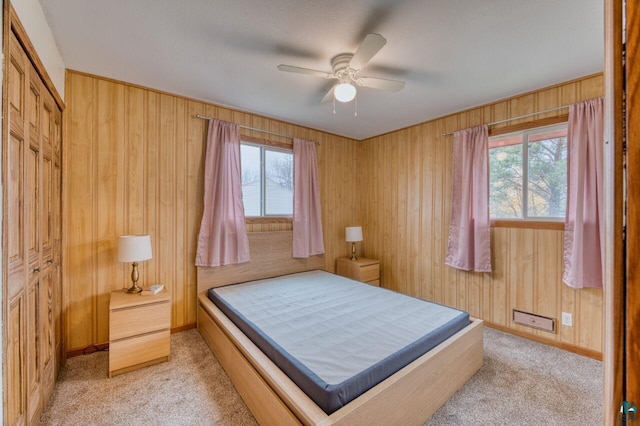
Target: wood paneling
[
  {"x": 135, "y": 165},
  {"x": 404, "y": 181}
]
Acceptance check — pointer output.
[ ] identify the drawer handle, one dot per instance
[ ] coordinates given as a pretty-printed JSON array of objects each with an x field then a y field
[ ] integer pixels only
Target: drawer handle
[
  {"x": 50, "y": 261},
  {"x": 36, "y": 269}
]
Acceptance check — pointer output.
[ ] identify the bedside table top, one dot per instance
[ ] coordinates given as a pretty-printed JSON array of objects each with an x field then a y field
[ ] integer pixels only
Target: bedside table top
[
  {"x": 362, "y": 261},
  {"x": 122, "y": 299}
]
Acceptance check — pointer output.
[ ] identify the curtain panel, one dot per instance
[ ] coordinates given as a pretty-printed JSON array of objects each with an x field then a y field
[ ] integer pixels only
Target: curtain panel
[
  {"x": 584, "y": 222},
  {"x": 469, "y": 245},
  {"x": 223, "y": 235},
  {"x": 307, "y": 218}
]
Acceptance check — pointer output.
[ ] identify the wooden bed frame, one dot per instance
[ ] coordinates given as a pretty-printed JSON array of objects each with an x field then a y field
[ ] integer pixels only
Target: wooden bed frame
[{"x": 408, "y": 397}]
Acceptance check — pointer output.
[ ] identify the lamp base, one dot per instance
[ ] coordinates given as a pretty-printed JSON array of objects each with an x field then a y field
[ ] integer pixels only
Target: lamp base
[
  {"x": 134, "y": 289},
  {"x": 353, "y": 251},
  {"x": 134, "y": 279}
]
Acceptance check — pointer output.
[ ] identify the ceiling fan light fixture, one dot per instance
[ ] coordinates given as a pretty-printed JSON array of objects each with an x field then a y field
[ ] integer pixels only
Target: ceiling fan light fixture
[{"x": 344, "y": 92}]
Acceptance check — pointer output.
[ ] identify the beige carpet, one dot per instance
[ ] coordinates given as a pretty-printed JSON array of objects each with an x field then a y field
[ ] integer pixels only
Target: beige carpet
[{"x": 521, "y": 383}]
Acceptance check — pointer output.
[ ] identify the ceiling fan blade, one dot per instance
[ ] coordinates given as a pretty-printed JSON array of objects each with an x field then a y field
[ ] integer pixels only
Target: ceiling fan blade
[
  {"x": 328, "y": 97},
  {"x": 381, "y": 83},
  {"x": 290, "y": 68},
  {"x": 371, "y": 44}
]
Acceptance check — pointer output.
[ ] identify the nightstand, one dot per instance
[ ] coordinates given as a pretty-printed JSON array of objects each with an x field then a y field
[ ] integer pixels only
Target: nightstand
[
  {"x": 139, "y": 330},
  {"x": 367, "y": 270}
]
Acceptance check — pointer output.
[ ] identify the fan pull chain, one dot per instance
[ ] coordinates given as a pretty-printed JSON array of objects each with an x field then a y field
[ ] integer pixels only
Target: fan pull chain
[
  {"x": 334, "y": 105},
  {"x": 355, "y": 113}
]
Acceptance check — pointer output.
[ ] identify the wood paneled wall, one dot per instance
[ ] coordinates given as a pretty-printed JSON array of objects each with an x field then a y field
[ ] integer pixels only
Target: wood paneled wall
[
  {"x": 405, "y": 198},
  {"x": 134, "y": 162}
]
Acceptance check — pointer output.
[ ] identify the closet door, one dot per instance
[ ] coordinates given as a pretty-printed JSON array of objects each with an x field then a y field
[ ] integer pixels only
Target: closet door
[
  {"x": 33, "y": 181},
  {"x": 33, "y": 228},
  {"x": 48, "y": 270},
  {"x": 15, "y": 248}
]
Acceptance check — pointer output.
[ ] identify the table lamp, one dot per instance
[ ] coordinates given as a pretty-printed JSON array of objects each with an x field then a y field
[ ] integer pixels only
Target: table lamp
[
  {"x": 134, "y": 249},
  {"x": 354, "y": 234}
]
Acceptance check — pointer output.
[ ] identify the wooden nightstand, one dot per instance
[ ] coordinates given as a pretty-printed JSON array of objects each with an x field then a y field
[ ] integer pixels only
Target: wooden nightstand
[
  {"x": 367, "y": 270},
  {"x": 139, "y": 330}
]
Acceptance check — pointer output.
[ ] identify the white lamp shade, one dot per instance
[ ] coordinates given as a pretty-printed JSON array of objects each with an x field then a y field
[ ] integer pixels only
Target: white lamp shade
[
  {"x": 353, "y": 233},
  {"x": 134, "y": 248},
  {"x": 344, "y": 92}
]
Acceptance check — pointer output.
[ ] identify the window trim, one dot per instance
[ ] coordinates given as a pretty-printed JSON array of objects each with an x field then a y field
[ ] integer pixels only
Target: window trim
[
  {"x": 264, "y": 145},
  {"x": 527, "y": 224},
  {"x": 525, "y": 129}
]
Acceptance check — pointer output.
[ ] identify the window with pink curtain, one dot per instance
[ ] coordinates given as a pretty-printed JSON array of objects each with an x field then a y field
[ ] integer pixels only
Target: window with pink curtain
[
  {"x": 307, "y": 219},
  {"x": 584, "y": 223},
  {"x": 223, "y": 235},
  {"x": 469, "y": 229}
]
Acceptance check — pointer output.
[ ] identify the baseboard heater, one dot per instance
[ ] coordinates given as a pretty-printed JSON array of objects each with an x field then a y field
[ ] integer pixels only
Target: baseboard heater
[{"x": 535, "y": 321}]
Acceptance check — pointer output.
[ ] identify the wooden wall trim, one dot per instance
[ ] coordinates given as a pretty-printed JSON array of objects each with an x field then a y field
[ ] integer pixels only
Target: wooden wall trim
[
  {"x": 263, "y": 220},
  {"x": 527, "y": 224},
  {"x": 262, "y": 141},
  {"x": 550, "y": 342},
  {"x": 615, "y": 267},
  {"x": 23, "y": 37},
  {"x": 529, "y": 125},
  {"x": 3, "y": 142}
]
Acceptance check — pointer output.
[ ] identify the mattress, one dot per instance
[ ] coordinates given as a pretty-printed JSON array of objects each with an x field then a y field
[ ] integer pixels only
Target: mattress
[{"x": 335, "y": 337}]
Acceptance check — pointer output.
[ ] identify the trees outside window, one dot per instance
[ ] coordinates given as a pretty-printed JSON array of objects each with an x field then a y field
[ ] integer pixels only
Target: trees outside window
[
  {"x": 267, "y": 180},
  {"x": 528, "y": 174}
]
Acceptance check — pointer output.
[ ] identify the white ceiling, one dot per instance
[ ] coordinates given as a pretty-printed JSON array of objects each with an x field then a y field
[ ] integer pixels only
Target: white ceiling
[{"x": 453, "y": 54}]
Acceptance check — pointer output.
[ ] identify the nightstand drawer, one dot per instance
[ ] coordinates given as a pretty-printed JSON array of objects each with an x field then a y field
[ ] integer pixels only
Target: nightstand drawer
[
  {"x": 135, "y": 320},
  {"x": 138, "y": 350},
  {"x": 374, "y": 282},
  {"x": 369, "y": 272}
]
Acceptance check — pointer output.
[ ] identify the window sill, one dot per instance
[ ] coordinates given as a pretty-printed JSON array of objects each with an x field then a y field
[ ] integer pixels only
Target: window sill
[
  {"x": 262, "y": 220},
  {"x": 527, "y": 224}
]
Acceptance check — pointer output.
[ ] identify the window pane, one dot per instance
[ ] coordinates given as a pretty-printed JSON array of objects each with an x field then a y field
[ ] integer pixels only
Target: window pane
[
  {"x": 251, "y": 185},
  {"x": 505, "y": 181},
  {"x": 278, "y": 183},
  {"x": 547, "y": 174}
]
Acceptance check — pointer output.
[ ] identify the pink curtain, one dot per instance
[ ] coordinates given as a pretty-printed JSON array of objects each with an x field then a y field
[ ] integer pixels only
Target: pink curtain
[
  {"x": 307, "y": 220},
  {"x": 223, "y": 235},
  {"x": 469, "y": 229},
  {"x": 584, "y": 223}
]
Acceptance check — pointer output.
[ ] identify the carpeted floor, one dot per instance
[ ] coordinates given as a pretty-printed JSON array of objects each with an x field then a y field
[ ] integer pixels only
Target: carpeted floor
[{"x": 520, "y": 383}]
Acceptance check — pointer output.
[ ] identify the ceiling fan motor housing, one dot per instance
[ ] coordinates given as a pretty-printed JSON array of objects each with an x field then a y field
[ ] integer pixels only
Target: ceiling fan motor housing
[{"x": 340, "y": 66}]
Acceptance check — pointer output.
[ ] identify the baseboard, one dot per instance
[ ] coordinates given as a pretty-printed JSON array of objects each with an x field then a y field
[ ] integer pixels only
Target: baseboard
[
  {"x": 565, "y": 346},
  {"x": 88, "y": 350},
  {"x": 180, "y": 328},
  {"x": 105, "y": 346}
]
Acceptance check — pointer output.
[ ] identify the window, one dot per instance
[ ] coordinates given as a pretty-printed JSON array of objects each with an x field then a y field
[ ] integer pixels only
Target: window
[
  {"x": 528, "y": 174},
  {"x": 267, "y": 180}
]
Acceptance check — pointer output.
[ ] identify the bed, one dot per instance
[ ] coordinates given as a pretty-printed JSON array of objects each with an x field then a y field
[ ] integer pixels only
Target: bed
[{"x": 409, "y": 396}]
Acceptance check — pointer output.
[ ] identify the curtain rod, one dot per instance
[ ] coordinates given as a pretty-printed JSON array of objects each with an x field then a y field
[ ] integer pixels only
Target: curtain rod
[
  {"x": 253, "y": 128},
  {"x": 519, "y": 117}
]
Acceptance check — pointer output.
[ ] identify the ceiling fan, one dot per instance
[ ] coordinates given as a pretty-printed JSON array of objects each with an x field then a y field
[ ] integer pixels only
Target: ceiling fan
[{"x": 345, "y": 69}]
